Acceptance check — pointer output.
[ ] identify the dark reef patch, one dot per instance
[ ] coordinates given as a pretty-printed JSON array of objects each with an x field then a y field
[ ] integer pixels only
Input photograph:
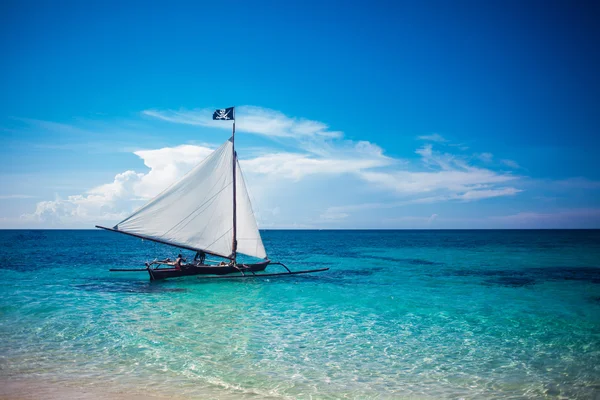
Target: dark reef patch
[
  {"x": 531, "y": 276},
  {"x": 411, "y": 261},
  {"x": 510, "y": 281}
]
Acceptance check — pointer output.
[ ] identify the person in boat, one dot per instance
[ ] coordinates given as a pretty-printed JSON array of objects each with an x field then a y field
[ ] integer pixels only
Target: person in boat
[
  {"x": 178, "y": 261},
  {"x": 199, "y": 257}
]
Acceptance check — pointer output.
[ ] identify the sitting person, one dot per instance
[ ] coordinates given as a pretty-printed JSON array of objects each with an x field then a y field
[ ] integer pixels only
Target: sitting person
[{"x": 178, "y": 261}]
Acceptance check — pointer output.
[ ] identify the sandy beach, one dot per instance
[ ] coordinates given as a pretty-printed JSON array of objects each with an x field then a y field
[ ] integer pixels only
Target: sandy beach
[
  {"x": 81, "y": 389},
  {"x": 34, "y": 389}
]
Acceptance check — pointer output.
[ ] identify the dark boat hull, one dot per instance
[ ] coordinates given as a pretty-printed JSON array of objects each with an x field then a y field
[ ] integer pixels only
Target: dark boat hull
[{"x": 164, "y": 273}]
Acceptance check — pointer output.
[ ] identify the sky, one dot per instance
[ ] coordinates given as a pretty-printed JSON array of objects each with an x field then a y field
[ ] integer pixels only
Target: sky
[{"x": 350, "y": 114}]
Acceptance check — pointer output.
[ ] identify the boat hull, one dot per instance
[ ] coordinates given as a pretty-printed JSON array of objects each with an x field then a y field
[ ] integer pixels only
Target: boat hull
[{"x": 189, "y": 270}]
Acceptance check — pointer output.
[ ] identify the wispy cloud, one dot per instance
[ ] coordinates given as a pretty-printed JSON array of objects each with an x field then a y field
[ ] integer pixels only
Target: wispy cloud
[
  {"x": 57, "y": 127},
  {"x": 360, "y": 157},
  {"x": 569, "y": 218},
  {"x": 511, "y": 164},
  {"x": 456, "y": 181},
  {"x": 435, "y": 137},
  {"x": 449, "y": 177},
  {"x": 329, "y": 216},
  {"x": 485, "y": 157},
  {"x": 464, "y": 197},
  {"x": 487, "y": 193},
  {"x": 87, "y": 135},
  {"x": 251, "y": 119}
]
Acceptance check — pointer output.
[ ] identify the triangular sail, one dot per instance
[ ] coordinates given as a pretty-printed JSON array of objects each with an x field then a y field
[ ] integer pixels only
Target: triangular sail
[
  {"x": 196, "y": 212},
  {"x": 248, "y": 237}
]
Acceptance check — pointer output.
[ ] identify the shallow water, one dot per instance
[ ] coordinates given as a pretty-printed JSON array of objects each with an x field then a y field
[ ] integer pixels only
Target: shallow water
[{"x": 400, "y": 314}]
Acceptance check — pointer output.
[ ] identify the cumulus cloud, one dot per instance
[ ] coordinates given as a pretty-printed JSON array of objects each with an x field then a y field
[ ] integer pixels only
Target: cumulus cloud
[
  {"x": 109, "y": 201},
  {"x": 167, "y": 165},
  {"x": 114, "y": 200}
]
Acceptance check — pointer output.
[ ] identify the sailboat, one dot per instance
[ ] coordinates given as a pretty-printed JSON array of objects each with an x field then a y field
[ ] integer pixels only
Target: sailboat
[{"x": 208, "y": 211}]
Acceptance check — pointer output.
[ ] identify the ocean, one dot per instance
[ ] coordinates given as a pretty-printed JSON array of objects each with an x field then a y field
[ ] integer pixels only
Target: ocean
[{"x": 415, "y": 314}]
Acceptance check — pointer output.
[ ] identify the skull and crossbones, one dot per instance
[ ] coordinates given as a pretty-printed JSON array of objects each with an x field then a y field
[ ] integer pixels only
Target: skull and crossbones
[{"x": 222, "y": 114}]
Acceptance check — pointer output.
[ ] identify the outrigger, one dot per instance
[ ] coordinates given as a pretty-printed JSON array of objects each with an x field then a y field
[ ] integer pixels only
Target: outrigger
[{"x": 197, "y": 213}]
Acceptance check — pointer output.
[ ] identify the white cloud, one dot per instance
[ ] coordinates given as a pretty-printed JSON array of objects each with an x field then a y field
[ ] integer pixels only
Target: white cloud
[
  {"x": 435, "y": 137},
  {"x": 449, "y": 178},
  {"x": 361, "y": 207},
  {"x": 251, "y": 119},
  {"x": 298, "y": 165},
  {"x": 425, "y": 151},
  {"x": 448, "y": 172},
  {"x": 485, "y": 157},
  {"x": 464, "y": 197},
  {"x": 167, "y": 165},
  {"x": 406, "y": 182},
  {"x": 445, "y": 161},
  {"x": 432, "y": 218},
  {"x": 322, "y": 155},
  {"x": 113, "y": 201},
  {"x": 329, "y": 216},
  {"x": 435, "y": 177},
  {"x": 487, "y": 193},
  {"x": 511, "y": 164},
  {"x": 106, "y": 202}
]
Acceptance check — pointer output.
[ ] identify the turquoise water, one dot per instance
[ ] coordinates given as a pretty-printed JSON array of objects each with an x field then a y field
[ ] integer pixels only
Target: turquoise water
[{"x": 400, "y": 314}]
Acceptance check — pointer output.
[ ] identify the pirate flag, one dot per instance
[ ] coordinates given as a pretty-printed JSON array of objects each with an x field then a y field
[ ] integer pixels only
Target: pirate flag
[{"x": 224, "y": 114}]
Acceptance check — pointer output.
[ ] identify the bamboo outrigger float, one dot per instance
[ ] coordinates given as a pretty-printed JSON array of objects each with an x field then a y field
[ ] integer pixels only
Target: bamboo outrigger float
[{"x": 194, "y": 214}]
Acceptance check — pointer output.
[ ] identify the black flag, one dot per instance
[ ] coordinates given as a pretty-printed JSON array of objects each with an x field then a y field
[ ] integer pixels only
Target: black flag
[{"x": 224, "y": 114}]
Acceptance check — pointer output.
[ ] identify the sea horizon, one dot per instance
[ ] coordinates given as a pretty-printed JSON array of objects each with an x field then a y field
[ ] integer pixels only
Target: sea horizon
[{"x": 343, "y": 229}]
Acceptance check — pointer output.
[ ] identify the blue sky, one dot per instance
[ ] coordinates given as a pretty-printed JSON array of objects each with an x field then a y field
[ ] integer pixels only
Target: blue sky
[{"x": 463, "y": 114}]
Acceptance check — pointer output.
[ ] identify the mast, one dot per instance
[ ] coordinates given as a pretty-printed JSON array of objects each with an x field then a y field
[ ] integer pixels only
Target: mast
[{"x": 234, "y": 242}]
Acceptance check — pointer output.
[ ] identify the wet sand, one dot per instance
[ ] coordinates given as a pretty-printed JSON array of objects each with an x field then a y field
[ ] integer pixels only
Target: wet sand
[{"x": 31, "y": 389}]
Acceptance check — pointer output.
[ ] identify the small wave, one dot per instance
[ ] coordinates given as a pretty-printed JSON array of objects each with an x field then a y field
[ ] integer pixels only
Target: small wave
[{"x": 126, "y": 287}]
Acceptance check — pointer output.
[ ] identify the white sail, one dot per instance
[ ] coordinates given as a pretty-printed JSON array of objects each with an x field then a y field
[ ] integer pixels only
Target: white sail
[
  {"x": 248, "y": 237},
  {"x": 197, "y": 211}
]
